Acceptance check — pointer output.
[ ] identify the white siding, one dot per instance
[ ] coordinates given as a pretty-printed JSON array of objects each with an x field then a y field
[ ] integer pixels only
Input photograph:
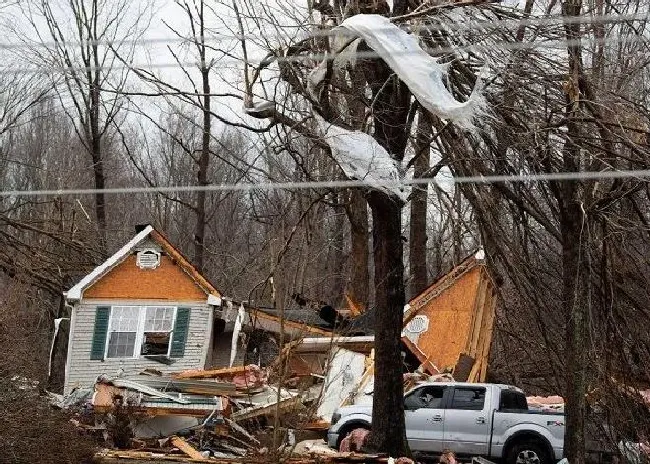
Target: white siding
[{"x": 82, "y": 372}]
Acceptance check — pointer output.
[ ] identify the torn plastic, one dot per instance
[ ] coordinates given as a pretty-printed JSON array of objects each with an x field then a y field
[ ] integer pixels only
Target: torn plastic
[
  {"x": 361, "y": 157},
  {"x": 239, "y": 322},
  {"x": 57, "y": 324},
  {"x": 422, "y": 73}
]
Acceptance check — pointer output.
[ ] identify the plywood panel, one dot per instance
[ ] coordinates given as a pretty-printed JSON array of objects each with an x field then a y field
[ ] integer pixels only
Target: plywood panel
[
  {"x": 127, "y": 281},
  {"x": 450, "y": 316}
]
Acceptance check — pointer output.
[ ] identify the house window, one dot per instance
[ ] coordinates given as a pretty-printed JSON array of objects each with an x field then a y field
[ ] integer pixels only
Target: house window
[
  {"x": 123, "y": 331},
  {"x": 158, "y": 325},
  {"x": 140, "y": 330}
]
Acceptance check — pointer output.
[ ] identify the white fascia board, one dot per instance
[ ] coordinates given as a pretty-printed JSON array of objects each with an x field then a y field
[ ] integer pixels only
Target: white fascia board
[
  {"x": 214, "y": 300},
  {"x": 74, "y": 294}
]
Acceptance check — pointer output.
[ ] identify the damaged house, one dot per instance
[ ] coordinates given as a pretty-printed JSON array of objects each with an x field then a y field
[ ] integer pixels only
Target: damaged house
[{"x": 147, "y": 307}]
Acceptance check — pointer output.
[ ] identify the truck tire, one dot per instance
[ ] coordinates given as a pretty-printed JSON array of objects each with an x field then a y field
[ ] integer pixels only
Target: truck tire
[{"x": 528, "y": 451}]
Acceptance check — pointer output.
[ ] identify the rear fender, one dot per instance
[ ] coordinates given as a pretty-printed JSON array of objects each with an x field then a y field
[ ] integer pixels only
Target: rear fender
[{"x": 522, "y": 432}]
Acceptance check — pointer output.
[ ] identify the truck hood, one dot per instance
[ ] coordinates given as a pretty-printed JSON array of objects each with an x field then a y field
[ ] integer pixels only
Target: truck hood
[{"x": 349, "y": 410}]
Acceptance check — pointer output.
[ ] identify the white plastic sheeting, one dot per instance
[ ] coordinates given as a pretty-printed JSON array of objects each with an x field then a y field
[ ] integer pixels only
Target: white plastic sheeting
[
  {"x": 422, "y": 73},
  {"x": 361, "y": 157},
  {"x": 344, "y": 374},
  {"x": 239, "y": 322},
  {"x": 57, "y": 324}
]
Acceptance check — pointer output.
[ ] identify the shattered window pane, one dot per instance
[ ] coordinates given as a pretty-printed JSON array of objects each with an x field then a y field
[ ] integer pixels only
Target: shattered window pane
[
  {"x": 159, "y": 322},
  {"x": 155, "y": 343}
]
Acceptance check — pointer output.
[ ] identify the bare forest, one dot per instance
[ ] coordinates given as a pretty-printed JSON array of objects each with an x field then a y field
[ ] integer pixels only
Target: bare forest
[{"x": 210, "y": 119}]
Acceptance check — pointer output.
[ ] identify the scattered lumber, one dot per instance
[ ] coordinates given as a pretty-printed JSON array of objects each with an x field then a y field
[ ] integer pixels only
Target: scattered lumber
[
  {"x": 212, "y": 373},
  {"x": 186, "y": 448}
]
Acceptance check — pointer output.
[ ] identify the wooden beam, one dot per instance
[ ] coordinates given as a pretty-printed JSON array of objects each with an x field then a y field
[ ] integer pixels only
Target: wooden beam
[
  {"x": 212, "y": 373},
  {"x": 473, "y": 340},
  {"x": 186, "y": 448}
]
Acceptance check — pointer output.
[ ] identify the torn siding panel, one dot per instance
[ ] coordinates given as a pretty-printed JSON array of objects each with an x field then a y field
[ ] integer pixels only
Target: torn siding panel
[{"x": 82, "y": 371}]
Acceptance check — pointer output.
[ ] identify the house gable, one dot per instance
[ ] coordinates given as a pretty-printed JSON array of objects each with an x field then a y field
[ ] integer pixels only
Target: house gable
[
  {"x": 128, "y": 281},
  {"x": 124, "y": 276}
]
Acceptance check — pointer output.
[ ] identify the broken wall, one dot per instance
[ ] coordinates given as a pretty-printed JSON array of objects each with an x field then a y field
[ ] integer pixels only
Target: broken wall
[{"x": 455, "y": 316}]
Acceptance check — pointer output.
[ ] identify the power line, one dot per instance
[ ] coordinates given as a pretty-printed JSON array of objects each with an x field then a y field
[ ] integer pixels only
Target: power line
[
  {"x": 513, "y": 46},
  {"x": 338, "y": 31},
  {"x": 642, "y": 174}
]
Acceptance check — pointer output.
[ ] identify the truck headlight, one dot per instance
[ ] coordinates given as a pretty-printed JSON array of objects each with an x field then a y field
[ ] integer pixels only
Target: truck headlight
[{"x": 335, "y": 418}]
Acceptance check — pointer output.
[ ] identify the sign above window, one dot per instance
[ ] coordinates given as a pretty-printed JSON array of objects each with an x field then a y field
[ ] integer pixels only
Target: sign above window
[{"x": 148, "y": 259}]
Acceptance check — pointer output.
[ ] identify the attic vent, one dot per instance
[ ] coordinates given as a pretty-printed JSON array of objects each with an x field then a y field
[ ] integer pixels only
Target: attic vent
[
  {"x": 148, "y": 259},
  {"x": 415, "y": 327}
]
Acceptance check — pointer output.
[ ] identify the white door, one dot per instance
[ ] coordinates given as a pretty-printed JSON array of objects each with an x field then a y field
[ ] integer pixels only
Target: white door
[
  {"x": 425, "y": 418},
  {"x": 467, "y": 424}
]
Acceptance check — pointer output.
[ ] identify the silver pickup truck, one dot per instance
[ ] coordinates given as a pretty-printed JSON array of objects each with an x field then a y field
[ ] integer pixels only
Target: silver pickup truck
[{"x": 470, "y": 419}]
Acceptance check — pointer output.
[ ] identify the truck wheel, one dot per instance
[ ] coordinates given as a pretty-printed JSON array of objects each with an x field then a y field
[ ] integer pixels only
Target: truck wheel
[{"x": 528, "y": 452}]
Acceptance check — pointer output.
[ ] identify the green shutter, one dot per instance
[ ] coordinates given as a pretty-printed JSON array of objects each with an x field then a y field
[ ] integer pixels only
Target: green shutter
[
  {"x": 180, "y": 332},
  {"x": 102, "y": 315}
]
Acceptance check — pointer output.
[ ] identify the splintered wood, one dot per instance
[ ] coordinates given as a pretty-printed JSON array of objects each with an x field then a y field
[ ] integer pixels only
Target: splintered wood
[
  {"x": 213, "y": 373},
  {"x": 186, "y": 448}
]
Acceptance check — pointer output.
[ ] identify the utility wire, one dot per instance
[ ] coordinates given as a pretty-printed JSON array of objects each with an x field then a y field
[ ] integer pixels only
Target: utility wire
[
  {"x": 327, "y": 56},
  {"x": 642, "y": 174},
  {"x": 339, "y": 31}
]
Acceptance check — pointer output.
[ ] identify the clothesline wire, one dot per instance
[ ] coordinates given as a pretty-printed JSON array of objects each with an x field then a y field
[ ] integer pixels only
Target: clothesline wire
[
  {"x": 326, "y": 56},
  {"x": 457, "y": 26},
  {"x": 641, "y": 174}
]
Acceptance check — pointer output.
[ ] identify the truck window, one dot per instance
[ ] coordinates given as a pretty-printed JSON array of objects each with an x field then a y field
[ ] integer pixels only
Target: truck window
[
  {"x": 429, "y": 397},
  {"x": 471, "y": 398},
  {"x": 512, "y": 400}
]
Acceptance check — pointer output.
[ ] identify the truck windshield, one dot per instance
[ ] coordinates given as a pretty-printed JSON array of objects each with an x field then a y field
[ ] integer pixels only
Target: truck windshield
[{"x": 512, "y": 399}]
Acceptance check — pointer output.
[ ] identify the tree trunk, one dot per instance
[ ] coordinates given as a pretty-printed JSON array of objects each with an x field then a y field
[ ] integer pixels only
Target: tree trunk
[
  {"x": 96, "y": 146},
  {"x": 575, "y": 300},
  {"x": 392, "y": 129},
  {"x": 337, "y": 255},
  {"x": 357, "y": 211},
  {"x": 418, "y": 230},
  {"x": 388, "y": 428},
  {"x": 572, "y": 227},
  {"x": 204, "y": 158}
]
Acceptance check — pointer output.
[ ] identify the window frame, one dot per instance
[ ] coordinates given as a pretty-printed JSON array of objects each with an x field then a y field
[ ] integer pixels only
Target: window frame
[
  {"x": 139, "y": 335},
  {"x": 445, "y": 393},
  {"x": 450, "y": 402}
]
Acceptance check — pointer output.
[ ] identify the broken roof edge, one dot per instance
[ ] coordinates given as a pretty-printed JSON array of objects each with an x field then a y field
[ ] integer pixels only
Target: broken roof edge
[
  {"x": 74, "y": 294},
  {"x": 213, "y": 295},
  {"x": 477, "y": 258},
  {"x": 185, "y": 264}
]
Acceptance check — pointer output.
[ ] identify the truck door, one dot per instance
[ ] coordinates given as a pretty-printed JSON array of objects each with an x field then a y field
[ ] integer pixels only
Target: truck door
[
  {"x": 425, "y": 417},
  {"x": 467, "y": 421}
]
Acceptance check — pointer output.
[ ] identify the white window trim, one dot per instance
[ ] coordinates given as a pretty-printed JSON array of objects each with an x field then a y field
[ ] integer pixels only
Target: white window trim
[{"x": 139, "y": 335}]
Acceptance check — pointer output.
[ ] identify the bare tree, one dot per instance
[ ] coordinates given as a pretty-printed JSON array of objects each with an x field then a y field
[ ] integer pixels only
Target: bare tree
[{"x": 82, "y": 61}]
